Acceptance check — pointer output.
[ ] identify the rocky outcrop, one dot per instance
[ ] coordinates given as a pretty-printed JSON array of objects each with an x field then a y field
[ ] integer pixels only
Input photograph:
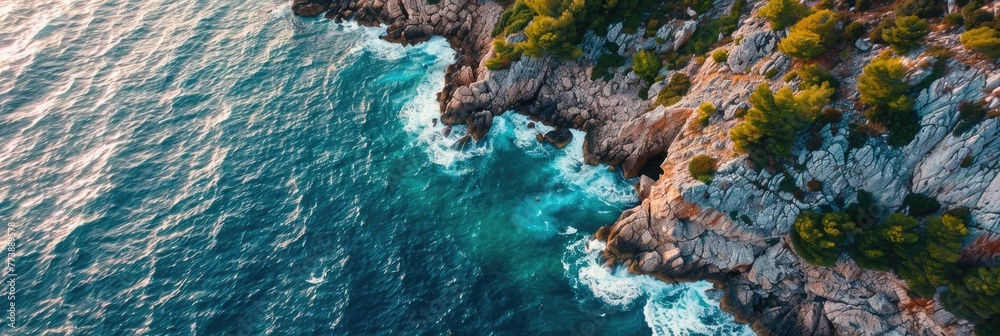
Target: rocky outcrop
[
  {"x": 310, "y": 8},
  {"x": 559, "y": 137},
  {"x": 734, "y": 231},
  {"x": 559, "y": 93},
  {"x": 466, "y": 24}
]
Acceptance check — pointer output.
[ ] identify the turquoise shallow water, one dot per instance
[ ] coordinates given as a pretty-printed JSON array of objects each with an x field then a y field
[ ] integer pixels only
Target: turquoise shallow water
[{"x": 214, "y": 167}]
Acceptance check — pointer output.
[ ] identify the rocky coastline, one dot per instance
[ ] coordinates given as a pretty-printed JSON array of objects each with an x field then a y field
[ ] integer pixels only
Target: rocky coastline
[{"x": 733, "y": 232}]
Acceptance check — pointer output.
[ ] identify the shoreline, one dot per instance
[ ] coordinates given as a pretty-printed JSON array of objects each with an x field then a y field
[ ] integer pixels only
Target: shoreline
[{"x": 681, "y": 230}]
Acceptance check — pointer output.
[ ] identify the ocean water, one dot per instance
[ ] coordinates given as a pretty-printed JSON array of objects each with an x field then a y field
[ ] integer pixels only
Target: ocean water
[{"x": 225, "y": 168}]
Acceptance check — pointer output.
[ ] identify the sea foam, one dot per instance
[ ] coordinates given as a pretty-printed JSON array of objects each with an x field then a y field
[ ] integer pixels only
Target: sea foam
[{"x": 669, "y": 309}]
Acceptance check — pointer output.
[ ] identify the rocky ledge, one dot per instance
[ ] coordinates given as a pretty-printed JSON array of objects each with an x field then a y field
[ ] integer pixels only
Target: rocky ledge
[
  {"x": 734, "y": 231},
  {"x": 622, "y": 129}
]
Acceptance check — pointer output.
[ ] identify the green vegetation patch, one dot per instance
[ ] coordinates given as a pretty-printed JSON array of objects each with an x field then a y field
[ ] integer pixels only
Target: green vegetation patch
[
  {"x": 674, "y": 90},
  {"x": 882, "y": 84},
  {"x": 985, "y": 40},
  {"x": 906, "y": 33},
  {"x": 646, "y": 65},
  {"x": 969, "y": 115},
  {"x": 702, "y": 168},
  {"x": 770, "y": 126},
  {"x": 705, "y": 112},
  {"x": 821, "y": 238},
  {"x": 605, "y": 64},
  {"x": 783, "y": 13},
  {"x": 920, "y": 205},
  {"x": 812, "y": 36},
  {"x": 504, "y": 55},
  {"x": 514, "y": 19}
]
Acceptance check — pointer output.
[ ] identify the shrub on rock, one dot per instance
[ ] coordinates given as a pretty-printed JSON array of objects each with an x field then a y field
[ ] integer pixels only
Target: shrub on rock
[
  {"x": 883, "y": 245},
  {"x": 906, "y": 33},
  {"x": 702, "y": 168},
  {"x": 503, "y": 55},
  {"x": 976, "y": 297},
  {"x": 969, "y": 115},
  {"x": 831, "y": 115},
  {"x": 882, "y": 81},
  {"x": 700, "y": 6},
  {"x": 720, "y": 56},
  {"x": 922, "y": 8},
  {"x": 705, "y": 111},
  {"x": 674, "y": 90},
  {"x": 985, "y": 40},
  {"x": 863, "y": 210},
  {"x": 883, "y": 85},
  {"x": 934, "y": 263},
  {"x": 821, "y": 238},
  {"x": 552, "y": 35},
  {"x": 812, "y": 36},
  {"x": 967, "y": 161},
  {"x": 974, "y": 14},
  {"x": 814, "y": 75},
  {"x": 770, "y": 126},
  {"x": 513, "y": 20},
  {"x": 783, "y": 13},
  {"x": 953, "y": 20},
  {"x": 604, "y": 63},
  {"x": 646, "y": 65},
  {"x": 854, "y": 30},
  {"x": 920, "y": 205}
]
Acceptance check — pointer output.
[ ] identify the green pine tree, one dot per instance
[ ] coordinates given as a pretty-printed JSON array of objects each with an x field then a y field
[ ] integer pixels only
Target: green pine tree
[
  {"x": 906, "y": 34},
  {"x": 820, "y": 238},
  {"x": 883, "y": 85},
  {"x": 646, "y": 65},
  {"x": 770, "y": 126},
  {"x": 888, "y": 243},
  {"x": 983, "y": 39},
  {"x": 812, "y": 36},
  {"x": 976, "y": 298},
  {"x": 783, "y": 13},
  {"x": 934, "y": 264},
  {"x": 882, "y": 81}
]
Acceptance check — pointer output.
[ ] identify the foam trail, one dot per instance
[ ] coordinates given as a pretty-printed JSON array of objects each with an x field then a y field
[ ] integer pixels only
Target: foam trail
[
  {"x": 568, "y": 165},
  {"x": 669, "y": 309},
  {"x": 421, "y": 111}
]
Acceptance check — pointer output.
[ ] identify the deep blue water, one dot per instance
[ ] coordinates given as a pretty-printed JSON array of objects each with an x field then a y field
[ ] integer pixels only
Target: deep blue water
[{"x": 222, "y": 167}]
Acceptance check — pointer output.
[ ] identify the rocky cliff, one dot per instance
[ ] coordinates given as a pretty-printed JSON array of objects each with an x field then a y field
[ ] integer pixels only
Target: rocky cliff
[{"x": 734, "y": 231}]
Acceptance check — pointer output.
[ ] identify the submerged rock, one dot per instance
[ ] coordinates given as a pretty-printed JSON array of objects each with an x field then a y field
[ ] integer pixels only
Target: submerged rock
[
  {"x": 461, "y": 142},
  {"x": 480, "y": 124},
  {"x": 309, "y": 8},
  {"x": 559, "y": 137}
]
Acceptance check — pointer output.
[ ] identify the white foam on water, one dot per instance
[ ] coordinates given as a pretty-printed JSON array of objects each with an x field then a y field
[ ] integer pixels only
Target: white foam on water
[
  {"x": 613, "y": 288},
  {"x": 568, "y": 163},
  {"x": 569, "y": 231},
  {"x": 380, "y": 48},
  {"x": 669, "y": 309},
  {"x": 420, "y": 112},
  {"x": 594, "y": 180},
  {"x": 524, "y": 137}
]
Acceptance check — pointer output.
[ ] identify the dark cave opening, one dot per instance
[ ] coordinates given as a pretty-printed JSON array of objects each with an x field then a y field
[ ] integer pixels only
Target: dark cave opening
[{"x": 651, "y": 168}]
